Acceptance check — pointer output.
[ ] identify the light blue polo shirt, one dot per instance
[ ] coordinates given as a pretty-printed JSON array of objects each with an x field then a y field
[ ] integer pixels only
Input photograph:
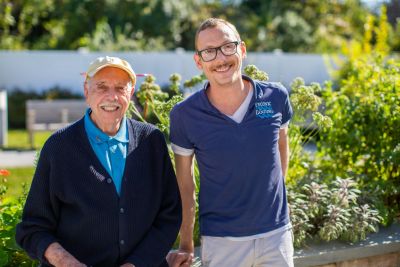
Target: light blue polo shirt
[{"x": 110, "y": 150}]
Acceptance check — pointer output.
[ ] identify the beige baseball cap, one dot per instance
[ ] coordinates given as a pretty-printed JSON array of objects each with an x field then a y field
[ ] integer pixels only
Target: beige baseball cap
[{"x": 102, "y": 62}]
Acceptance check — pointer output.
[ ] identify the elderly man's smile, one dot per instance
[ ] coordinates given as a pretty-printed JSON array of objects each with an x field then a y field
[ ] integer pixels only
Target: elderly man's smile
[{"x": 110, "y": 107}]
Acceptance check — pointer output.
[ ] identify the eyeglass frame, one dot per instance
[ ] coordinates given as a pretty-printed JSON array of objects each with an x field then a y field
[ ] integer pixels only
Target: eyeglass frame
[{"x": 237, "y": 43}]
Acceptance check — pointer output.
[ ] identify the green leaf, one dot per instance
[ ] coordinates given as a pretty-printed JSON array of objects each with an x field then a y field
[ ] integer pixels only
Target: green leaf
[{"x": 3, "y": 257}]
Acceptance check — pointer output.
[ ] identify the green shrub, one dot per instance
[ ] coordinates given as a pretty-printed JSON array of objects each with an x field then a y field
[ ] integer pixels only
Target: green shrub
[
  {"x": 10, "y": 214},
  {"x": 365, "y": 140},
  {"x": 330, "y": 211}
]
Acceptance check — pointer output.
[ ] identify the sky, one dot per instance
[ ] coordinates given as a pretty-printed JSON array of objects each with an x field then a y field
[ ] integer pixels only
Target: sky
[{"x": 373, "y": 3}]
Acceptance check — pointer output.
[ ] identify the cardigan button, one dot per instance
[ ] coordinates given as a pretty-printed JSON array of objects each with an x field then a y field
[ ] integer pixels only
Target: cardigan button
[
  {"x": 121, "y": 210},
  {"x": 122, "y": 242},
  {"x": 109, "y": 181}
]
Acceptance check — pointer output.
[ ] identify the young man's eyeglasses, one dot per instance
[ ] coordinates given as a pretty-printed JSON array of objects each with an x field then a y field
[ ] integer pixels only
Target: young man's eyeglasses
[{"x": 227, "y": 49}]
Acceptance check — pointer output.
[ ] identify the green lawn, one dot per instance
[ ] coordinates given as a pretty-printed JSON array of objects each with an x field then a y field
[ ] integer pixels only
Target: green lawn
[
  {"x": 18, "y": 139},
  {"x": 17, "y": 177}
]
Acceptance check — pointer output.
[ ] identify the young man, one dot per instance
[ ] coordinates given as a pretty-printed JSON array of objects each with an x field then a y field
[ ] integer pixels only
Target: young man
[
  {"x": 237, "y": 129},
  {"x": 104, "y": 192}
]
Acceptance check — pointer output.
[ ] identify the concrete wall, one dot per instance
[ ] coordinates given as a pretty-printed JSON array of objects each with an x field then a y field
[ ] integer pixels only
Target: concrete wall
[
  {"x": 386, "y": 260},
  {"x": 41, "y": 70},
  {"x": 380, "y": 249}
]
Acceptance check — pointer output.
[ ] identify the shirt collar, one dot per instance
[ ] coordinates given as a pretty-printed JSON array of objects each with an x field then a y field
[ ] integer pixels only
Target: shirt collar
[
  {"x": 249, "y": 97},
  {"x": 244, "y": 77},
  {"x": 98, "y": 136}
]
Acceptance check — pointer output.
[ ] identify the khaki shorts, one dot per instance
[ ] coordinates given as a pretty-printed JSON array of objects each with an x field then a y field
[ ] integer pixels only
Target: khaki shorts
[{"x": 272, "y": 251}]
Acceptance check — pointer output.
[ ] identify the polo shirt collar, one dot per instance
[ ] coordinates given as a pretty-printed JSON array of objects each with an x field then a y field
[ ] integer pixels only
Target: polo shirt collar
[
  {"x": 244, "y": 77},
  {"x": 214, "y": 109},
  {"x": 98, "y": 136}
]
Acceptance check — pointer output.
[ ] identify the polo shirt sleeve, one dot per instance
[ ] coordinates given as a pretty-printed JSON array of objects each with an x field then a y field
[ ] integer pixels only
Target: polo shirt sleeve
[
  {"x": 287, "y": 111},
  {"x": 178, "y": 133}
]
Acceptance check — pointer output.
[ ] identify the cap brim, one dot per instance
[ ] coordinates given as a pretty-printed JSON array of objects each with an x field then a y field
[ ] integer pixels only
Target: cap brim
[{"x": 131, "y": 75}]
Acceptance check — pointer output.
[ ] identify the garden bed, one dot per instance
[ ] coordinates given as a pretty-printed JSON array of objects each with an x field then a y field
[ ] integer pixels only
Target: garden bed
[{"x": 379, "y": 249}]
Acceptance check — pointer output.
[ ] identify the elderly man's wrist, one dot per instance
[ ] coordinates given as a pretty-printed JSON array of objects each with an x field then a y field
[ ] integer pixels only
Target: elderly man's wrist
[{"x": 56, "y": 255}]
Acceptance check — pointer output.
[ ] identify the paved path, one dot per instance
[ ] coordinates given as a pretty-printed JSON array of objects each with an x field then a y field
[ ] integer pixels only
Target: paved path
[{"x": 17, "y": 158}]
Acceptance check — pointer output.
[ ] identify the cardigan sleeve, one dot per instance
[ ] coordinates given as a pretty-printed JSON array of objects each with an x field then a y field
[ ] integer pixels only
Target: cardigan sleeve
[
  {"x": 155, "y": 245},
  {"x": 39, "y": 218}
]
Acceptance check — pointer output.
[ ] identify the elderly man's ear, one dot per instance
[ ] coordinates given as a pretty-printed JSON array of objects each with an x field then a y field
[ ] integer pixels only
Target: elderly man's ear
[{"x": 85, "y": 88}]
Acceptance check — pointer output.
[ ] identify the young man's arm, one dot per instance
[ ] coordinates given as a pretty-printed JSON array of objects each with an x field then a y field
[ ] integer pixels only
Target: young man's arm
[
  {"x": 185, "y": 177},
  {"x": 284, "y": 149}
]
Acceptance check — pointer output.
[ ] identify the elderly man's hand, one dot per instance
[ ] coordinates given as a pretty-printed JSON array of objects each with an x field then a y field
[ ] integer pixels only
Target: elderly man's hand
[
  {"x": 179, "y": 258},
  {"x": 70, "y": 263},
  {"x": 127, "y": 265},
  {"x": 59, "y": 257}
]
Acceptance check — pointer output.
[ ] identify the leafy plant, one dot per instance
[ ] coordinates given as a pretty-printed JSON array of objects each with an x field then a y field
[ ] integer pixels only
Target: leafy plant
[
  {"x": 10, "y": 214},
  {"x": 330, "y": 214},
  {"x": 365, "y": 140},
  {"x": 306, "y": 123}
]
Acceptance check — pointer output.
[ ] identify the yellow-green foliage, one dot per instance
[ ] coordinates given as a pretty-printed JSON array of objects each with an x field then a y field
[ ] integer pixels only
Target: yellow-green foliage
[
  {"x": 382, "y": 33},
  {"x": 368, "y": 32},
  {"x": 364, "y": 142},
  {"x": 375, "y": 40}
]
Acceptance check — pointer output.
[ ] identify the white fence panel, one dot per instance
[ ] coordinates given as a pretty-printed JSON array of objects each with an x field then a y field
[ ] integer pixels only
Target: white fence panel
[{"x": 41, "y": 70}]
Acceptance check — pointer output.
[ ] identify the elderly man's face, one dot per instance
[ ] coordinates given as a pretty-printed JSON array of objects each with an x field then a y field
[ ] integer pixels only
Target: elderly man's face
[{"x": 108, "y": 94}]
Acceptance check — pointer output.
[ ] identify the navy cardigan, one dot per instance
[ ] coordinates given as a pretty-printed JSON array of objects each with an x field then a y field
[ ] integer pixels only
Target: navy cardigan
[{"x": 73, "y": 201}]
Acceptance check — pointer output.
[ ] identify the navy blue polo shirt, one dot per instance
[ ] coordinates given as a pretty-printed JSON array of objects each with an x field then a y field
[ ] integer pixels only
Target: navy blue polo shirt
[{"x": 242, "y": 190}]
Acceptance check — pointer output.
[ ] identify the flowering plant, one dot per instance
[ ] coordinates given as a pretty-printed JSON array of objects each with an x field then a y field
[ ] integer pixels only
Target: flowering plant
[
  {"x": 10, "y": 214},
  {"x": 4, "y": 172}
]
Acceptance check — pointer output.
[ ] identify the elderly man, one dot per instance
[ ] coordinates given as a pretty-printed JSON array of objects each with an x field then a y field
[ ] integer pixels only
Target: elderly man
[
  {"x": 104, "y": 192},
  {"x": 237, "y": 129}
]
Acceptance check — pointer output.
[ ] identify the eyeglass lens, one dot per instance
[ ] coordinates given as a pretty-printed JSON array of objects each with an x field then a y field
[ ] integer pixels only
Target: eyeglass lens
[{"x": 227, "y": 49}]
